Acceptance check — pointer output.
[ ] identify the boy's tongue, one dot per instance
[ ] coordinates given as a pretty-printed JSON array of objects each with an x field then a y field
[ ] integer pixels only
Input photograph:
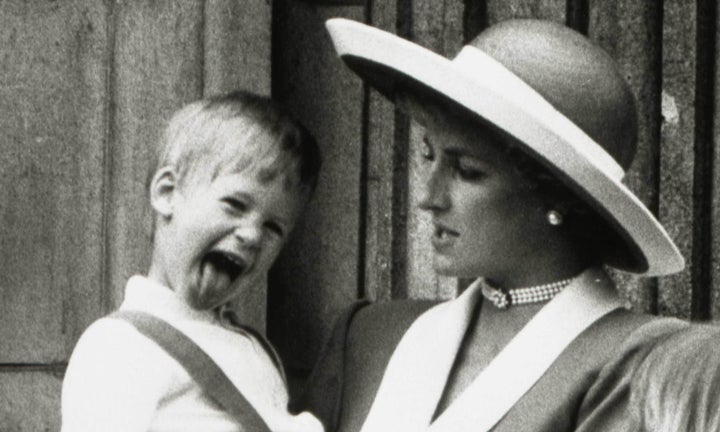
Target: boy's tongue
[{"x": 214, "y": 284}]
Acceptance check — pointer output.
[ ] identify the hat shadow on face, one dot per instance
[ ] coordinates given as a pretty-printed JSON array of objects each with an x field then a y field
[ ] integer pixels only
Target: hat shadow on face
[
  {"x": 597, "y": 239},
  {"x": 579, "y": 123}
]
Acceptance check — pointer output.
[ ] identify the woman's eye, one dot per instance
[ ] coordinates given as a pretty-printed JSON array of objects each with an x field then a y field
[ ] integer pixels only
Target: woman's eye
[
  {"x": 468, "y": 171},
  {"x": 426, "y": 152}
]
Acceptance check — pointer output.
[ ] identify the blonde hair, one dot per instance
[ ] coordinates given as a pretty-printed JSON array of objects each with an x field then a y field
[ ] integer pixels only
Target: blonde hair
[
  {"x": 236, "y": 131},
  {"x": 677, "y": 386}
]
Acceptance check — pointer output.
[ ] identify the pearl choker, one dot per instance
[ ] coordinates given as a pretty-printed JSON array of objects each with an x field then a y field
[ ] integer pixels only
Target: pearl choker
[{"x": 502, "y": 299}]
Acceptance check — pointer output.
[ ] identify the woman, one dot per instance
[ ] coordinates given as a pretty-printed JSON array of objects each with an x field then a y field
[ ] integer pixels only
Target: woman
[{"x": 528, "y": 132}]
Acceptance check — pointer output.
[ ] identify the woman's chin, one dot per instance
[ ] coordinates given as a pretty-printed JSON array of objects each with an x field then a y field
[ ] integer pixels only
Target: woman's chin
[
  {"x": 451, "y": 268},
  {"x": 444, "y": 267}
]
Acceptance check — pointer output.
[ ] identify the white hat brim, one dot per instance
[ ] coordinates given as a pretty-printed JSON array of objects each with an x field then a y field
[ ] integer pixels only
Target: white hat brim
[{"x": 513, "y": 106}]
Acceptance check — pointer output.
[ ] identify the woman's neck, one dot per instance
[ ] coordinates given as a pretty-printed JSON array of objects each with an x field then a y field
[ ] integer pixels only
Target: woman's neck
[{"x": 538, "y": 269}]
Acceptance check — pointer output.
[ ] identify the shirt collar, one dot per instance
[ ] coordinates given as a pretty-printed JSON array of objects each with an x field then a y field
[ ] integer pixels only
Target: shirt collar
[{"x": 146, "y": 295}]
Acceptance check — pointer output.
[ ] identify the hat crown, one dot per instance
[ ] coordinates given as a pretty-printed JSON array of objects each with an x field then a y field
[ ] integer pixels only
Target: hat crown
[{"x": 577, "y": 77}]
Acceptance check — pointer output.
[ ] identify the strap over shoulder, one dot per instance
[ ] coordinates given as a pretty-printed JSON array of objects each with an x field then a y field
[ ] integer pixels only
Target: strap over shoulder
[
  {"x": 199, "y": 365},
  {"x": 233, "y": 322}
]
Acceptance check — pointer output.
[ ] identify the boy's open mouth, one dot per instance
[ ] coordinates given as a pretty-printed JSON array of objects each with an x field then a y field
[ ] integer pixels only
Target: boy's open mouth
[
  {"x": 231, "y": 264},
  {"x": 219, "y": 270}
]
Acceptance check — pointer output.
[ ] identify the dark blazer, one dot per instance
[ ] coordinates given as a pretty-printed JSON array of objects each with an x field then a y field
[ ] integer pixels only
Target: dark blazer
[{"x": 586, "y": 388}]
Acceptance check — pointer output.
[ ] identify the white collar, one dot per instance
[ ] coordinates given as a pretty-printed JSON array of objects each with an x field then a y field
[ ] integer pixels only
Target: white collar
[
  {"x": 419, "y": 368},
  {"x": 146, "y": 295}
]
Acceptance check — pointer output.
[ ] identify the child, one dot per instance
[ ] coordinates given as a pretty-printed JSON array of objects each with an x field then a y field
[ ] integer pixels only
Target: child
[
  {"x": 677, "y": 387},
  {"x": 234, "y": 173}
]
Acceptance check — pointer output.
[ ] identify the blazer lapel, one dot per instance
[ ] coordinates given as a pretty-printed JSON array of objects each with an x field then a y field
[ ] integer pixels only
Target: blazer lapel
[
  {"x": 529, "y": 354},
  {"x": 419, "y": 367}
]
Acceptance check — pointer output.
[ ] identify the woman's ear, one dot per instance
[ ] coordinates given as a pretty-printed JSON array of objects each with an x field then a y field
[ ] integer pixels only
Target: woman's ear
[{"x": 162, "y": 191}]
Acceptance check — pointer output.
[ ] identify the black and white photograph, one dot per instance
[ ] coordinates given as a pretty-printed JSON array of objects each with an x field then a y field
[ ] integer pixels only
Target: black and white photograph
[{"x": 359, "y": 215}]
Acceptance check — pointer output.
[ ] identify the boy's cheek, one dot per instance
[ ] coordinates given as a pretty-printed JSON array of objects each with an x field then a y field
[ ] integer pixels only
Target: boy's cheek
[{"x": 266, "y": 260}]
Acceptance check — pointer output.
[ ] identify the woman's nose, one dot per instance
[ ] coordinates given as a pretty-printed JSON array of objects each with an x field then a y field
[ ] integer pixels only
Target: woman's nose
[{"x": 435, "y": 195}]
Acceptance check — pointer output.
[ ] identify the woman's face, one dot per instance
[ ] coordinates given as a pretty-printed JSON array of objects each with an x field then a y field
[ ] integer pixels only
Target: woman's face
[{"x": 487, "y": 219}]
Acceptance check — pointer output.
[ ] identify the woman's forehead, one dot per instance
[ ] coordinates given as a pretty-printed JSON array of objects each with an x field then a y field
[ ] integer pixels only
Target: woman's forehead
[
  {"x": 454, "y": 128},
  {"x": 464, "y": 138},
  {"x": 418, "y": 109}
]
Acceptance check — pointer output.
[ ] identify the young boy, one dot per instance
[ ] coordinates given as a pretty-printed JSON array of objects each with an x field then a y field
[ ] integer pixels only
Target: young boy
[{"x": 233, "y": 174}]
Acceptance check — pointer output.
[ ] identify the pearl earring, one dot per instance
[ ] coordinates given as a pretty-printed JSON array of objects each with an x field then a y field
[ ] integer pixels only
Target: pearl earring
[{"x": 554, "y": 218}]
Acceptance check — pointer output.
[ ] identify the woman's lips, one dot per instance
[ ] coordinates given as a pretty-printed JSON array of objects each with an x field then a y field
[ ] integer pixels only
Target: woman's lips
[{"x": 443, "y": 237}]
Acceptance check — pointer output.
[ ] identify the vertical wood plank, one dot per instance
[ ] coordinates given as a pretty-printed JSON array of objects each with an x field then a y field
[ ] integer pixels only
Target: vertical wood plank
[
  {"x": 52, "y": 88},
  {"x": 715, "y": 237},
  {"x": 475, "y": 18},
  {"x": 237, "y": 46},
  {"x": 386, "y": 183},
  {"x": 677, "y": 158},
  {"x": 438, "y": 26},
  {"x": 237, "y": 39},
  {"x": 577, "y": 15},
  {"x": 157, "y": 68},
  {"x": 29, "y": 401},
  {"x": 501, "y": 10},
  {"x": 631, "y": 33},
  {"x": 316, "y": 275},
  {"x": 706, "y": 138}
]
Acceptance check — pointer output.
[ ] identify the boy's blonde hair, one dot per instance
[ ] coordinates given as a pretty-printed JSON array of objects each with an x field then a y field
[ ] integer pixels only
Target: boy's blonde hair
[
  {"x": 677, "y": 386},
  {"x": 237, "y": 131}
]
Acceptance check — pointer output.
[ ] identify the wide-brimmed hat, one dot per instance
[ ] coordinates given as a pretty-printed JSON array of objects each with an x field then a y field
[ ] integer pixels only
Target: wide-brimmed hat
[{"x": 549, "y": 89}]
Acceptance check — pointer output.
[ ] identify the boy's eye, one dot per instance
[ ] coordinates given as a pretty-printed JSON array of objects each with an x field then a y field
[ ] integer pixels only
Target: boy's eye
[
  {"x": 426, "y": 151},
  {"x": 275, "y": 228},
  {"x": 236, "y": 204}
]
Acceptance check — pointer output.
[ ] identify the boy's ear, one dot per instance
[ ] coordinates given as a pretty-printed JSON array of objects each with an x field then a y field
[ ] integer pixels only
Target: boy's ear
[{"x": 162, "y": 191}]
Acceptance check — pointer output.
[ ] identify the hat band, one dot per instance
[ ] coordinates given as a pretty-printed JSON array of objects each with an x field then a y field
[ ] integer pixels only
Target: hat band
[{"x": 470, "y": 60}]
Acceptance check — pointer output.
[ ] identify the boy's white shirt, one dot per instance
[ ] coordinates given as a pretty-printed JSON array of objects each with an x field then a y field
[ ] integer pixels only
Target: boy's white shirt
[{"x": 119, "y": 380}]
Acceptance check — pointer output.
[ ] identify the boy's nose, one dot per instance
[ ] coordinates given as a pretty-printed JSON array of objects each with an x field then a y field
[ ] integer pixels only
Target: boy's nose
[{"x": 249, "y": 235}]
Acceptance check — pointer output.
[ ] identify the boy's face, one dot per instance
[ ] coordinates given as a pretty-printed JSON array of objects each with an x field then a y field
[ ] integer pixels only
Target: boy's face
[{"x": 221, "y": 238}]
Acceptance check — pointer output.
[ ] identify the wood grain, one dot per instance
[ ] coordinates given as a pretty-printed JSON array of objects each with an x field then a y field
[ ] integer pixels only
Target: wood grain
[
  {"x": 715, "y": 235},
  {"x": 386, "y": 183},
  {"x": 29, "y": 401},
  {"x": 52, "y": 96},
  {"x": 237, "y": 46},
  {"x": 317, "y": 274},
  {"x": 501, "y": 10},
  {"x": 631, "y": 33},
  {"x": 677, "y": 149},
  {"x": 157, "y": 68}
]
